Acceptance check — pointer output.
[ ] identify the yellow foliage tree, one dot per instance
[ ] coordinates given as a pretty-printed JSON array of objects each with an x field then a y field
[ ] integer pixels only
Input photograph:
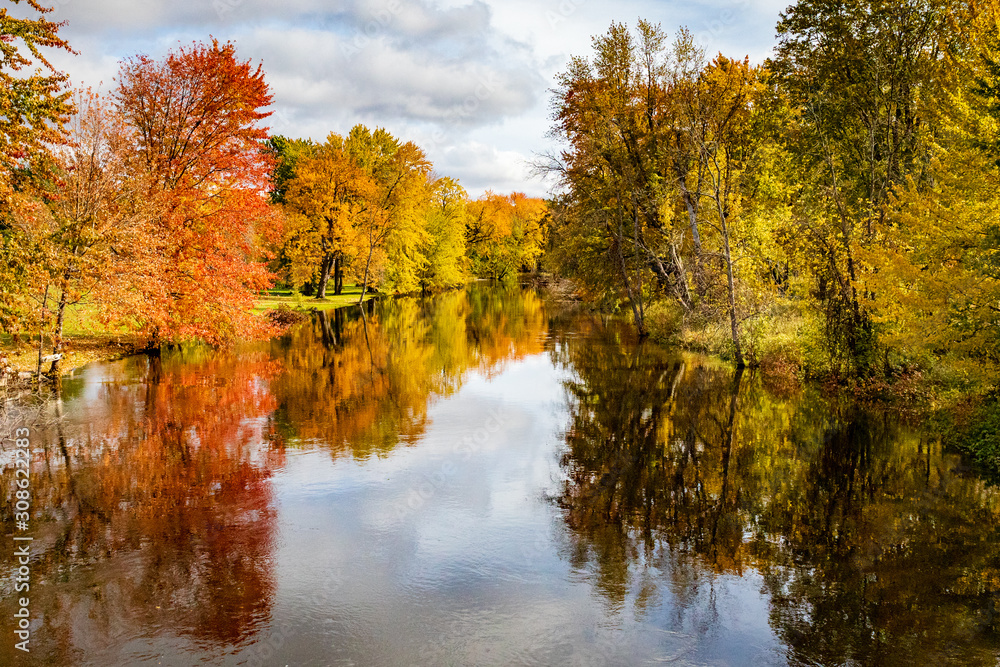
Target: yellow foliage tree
[
  {"x": 323, "y": 202},
  {"x": 505, "y": 234}
]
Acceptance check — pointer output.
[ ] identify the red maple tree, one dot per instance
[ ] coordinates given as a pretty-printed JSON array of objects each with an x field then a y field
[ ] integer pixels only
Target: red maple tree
[{"x": 197, "y": 121}]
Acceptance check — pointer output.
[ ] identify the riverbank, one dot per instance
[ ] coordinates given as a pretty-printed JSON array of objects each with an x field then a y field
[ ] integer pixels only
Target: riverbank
[
  {"x": 21, "y": 358},
  {"x": 953, "y": 404},
  {"x": 278, "y": 299},
  {"x": 85, "y": 341},
  {"x": 953, "y": 399}
]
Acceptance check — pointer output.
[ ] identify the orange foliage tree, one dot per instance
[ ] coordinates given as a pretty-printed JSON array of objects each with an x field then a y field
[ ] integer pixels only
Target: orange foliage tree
[
  {"x": 93, "y": 223},
  {"x": 196, "y": 116},
  {"x": 505, "y": 234}
]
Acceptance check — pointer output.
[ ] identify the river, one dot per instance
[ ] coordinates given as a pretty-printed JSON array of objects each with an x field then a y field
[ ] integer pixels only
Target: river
[{"x": 486, "y": 478}]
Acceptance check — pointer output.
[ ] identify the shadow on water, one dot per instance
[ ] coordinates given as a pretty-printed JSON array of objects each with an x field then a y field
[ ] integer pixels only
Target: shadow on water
[{"x": 872, "y": 549}]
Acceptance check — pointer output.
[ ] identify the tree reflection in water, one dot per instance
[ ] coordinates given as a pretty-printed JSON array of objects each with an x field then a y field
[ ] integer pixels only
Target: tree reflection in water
[
  {"x": 871, "y": 547},
  {"x": 157, "y": 522},
  {"x": 156, "y": 507},
  {"x": 360, "y": 382},
  {"x": 162, "y": 496}
]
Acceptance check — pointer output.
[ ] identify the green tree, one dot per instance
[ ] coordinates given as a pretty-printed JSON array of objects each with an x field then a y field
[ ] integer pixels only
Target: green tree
[
  {"x": 392, "y": 224},
  {"x": 446, "y": 218}
]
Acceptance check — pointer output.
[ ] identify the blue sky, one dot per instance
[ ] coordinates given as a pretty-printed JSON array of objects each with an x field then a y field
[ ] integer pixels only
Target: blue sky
[{"x": 467, "y": 81}]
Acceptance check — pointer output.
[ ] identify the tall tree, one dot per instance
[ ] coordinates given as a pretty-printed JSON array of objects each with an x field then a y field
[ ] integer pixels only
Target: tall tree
[
  {"x": 937, "y": 282},
  {"x": 728, "y": 143},
  {"x": 863, "y": 75},
  {"x": 34, "y": 108},
  {"x": 392, "y": 224},
  {"x": 324, "y": 201},
  {"x": 197, "y": 115},
  {"x": 98, "y": 216},
  {"x": 664, "y": 152},
  {"x": 446, "y": 246}
]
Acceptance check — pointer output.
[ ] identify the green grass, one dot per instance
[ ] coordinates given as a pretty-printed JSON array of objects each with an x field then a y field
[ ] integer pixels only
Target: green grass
[
  {"x": 278, "y": 298},
  {"x": 89, "y": 339}
]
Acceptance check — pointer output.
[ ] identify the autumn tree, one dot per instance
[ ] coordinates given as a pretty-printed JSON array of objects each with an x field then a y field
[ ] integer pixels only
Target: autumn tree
[
  {"x": 934, "y": 287},
  {"x": 392, "y": 225},
  {"x": 599, "y": 112},
  {"x": 285, "y": 153},
  {"x": 445, "y": 249},
  {"x": 97, "y": 220},
  {"x": 863, "y": 76},
  {"x": 35, "y": 106},
  {"x": 324, "y": 200},
  {"x": 33, "y": 110},
  {"x": 730, "y": 145},
  {"x": 197, "y": 117},
  {"x": 505, "y": 234},
  {"x": 664, "y": 152}
]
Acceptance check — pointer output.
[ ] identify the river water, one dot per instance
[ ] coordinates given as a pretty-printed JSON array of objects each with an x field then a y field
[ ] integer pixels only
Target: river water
[{"x": 484, "y": 478}]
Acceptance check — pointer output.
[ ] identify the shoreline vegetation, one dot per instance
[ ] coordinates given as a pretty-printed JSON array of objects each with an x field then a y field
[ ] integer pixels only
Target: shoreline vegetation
[
  {"x": 830, "y": 215},
  {"x": 966, "y": 422},
  {"x": 85, "y": 341}
]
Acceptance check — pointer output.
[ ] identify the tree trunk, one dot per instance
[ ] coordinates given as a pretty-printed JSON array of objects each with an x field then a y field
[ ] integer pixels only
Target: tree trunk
[
  {"x": 638, "y": 263},
  {"x": 732, "y": 293},
  {"x": 41, "y": 334},
  {"x": 324, "y": 276},
  {"x": 364, "y": 282},
  {"x": 637, "y": 314},
  {"x": 57, "y": 343},
  {"x": 338, "y": 275},
  {"x": 699, "y": 266}
]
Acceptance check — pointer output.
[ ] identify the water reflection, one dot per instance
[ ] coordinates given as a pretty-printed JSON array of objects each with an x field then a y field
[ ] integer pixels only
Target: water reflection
[
  {"x": 306, "y": 497},
  {"x": 155, "y": 510},
  {"x": 362, "y": 381},
  {"x": 873, "y": 550},
  {"x": 154, "y": 488}
]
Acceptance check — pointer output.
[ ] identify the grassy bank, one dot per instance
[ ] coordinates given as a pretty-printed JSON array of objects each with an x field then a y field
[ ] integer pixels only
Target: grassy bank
[
  {"x": 955, "y": 398},
  {"x": 87, "y": 339},
  {"x": 276, "y": 299}
]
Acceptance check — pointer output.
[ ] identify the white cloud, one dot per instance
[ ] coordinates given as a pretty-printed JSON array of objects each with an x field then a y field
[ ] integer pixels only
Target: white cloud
[
  {"x": 485, "y": 167},
  {"x": 468, "y": 81}
]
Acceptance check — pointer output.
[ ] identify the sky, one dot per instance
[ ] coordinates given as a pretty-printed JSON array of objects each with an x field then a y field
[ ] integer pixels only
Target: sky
[{"x": 469, "y": 82}]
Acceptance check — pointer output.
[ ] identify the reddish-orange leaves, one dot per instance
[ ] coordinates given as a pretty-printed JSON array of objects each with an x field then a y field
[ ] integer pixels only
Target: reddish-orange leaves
[{"x": 196, "y": 116}]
